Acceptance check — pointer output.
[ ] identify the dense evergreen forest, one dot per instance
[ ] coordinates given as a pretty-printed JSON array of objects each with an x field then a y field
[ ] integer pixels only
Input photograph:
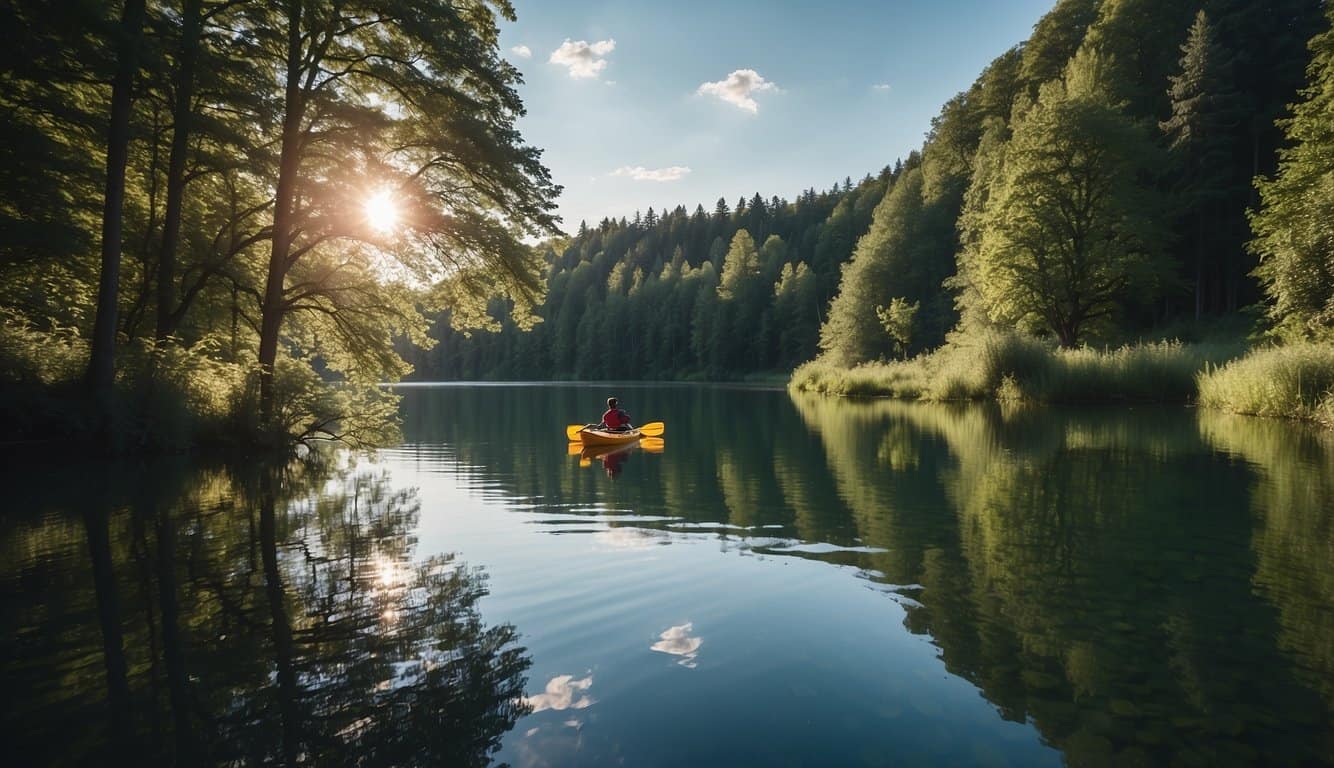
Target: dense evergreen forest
[
  {"x": 1095, "y": 185},
  {"x": 709, "y": 294}
]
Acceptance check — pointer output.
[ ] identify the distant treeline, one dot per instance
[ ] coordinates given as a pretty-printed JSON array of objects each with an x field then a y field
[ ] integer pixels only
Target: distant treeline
[
  {"x": 1095, "y": 184},
  {"x": 713, "y": 293}
]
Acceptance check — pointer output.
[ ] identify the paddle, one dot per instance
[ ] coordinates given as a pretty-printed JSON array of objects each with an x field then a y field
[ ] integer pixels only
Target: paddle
[
  {"x": 573, "y": 430},
  {"x": 651, "y": 429}
]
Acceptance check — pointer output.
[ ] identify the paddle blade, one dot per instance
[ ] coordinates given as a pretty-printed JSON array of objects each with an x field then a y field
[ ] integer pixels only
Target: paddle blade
[
  {"x": 652, "y": 429},
  {"x": 572, "y": 431},
  {"x": 585, "y": 462},
  {"x": 574, "y": 449},
  {"x": 653, "y": 444}
]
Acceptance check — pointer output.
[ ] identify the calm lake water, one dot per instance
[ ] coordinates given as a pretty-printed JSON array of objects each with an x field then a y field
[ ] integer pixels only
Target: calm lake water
[{"x": 788, "y": 581}]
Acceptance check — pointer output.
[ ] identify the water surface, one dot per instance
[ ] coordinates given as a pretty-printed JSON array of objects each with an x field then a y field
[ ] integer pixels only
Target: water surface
[{"x": 789, "y": 581}]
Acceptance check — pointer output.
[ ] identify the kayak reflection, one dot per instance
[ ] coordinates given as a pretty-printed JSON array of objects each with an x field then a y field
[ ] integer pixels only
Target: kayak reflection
[{"x": 613, "y": 456}]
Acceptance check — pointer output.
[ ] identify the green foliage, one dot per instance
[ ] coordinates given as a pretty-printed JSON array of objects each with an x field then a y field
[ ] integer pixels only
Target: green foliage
[
  {"x": 1294, "y": 381},
  {"x": 1071, "y": 229},
  {"x": 1139, "y": 39},
  {"x": 897, "y": 320},
  {"x": 1206, "y": 110},
  {"x": 688, "y": 295},
  {"x": 1009, "y": 366},
  {"x": 1056, "y": 37},
  {"x": 906, "y": 253},
  {"x": 1295, "y": 225},
  {"x": 796, "y": 311},
  {"x": 32, "y": 356},
  {"x": 309, "y": 409},
  {"x": 741, "y": 267},
  {"x": 243, "y": 234},
  {"x": 1205, "y": 106}
]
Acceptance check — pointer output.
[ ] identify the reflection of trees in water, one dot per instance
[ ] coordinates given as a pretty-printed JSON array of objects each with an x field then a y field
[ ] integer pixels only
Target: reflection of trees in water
[
  {"x": 1294, "y": 545},
  {"x": 1097, "y": 573},
  {"x": 270, "y": 615},
  {"x": 1112, "y": 575}
]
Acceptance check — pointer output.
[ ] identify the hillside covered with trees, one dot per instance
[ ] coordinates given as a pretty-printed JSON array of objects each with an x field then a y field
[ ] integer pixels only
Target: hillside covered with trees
[
  {"x": 1096, "y": 185},
  {"x": 238, "y": 218},
  {"x": 720, "y": 293}
]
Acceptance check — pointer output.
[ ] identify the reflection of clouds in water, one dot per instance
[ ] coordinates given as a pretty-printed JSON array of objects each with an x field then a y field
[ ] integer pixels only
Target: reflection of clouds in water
[
  {"x": 629, "y": 538},
  {"x": 563, "y": 692},
  {"x": 677, "y": 641}
]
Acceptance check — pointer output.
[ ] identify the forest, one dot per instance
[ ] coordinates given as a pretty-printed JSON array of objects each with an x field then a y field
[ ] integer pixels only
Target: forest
[
  {"x": 230, "y": 220},
  {"x": 1137, "y": 193},
  {"x": 705, "y": 294},
  {"x": 215, "y": 214}
]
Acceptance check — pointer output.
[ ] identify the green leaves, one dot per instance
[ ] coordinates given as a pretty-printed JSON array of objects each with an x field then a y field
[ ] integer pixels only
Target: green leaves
[
  {"x": 1295, "y": 224},
  {"x": 1070, "y": 230}
]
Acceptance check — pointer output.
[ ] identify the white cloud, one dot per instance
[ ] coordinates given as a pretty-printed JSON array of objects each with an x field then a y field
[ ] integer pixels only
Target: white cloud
[
  {"x": 522, "y": 51},
  {"x": 881, "y": 87},
  {"x": 640, "y": 173},
  {"x": 737, "y": 88},
  {"x": 584, "y": 60}
]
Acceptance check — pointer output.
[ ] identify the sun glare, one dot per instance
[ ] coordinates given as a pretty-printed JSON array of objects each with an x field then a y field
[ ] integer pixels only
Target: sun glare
[{"x": 382, "y": 212}]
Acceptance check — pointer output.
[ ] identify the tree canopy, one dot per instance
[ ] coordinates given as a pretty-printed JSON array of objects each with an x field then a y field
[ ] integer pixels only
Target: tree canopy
[
  {"x": 223, "y": 155},
  {"x": 1295, "y": 225}
]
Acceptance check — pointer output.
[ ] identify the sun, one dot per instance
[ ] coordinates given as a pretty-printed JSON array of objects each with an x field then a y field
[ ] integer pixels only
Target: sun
[{"x": 382, "y": 212}]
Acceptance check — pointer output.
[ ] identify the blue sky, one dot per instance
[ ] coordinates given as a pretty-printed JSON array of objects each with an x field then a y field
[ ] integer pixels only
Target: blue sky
[{"x": 620, "y": 112}]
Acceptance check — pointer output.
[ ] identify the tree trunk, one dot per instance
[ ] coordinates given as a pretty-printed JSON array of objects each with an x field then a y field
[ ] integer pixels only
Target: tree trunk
[
  {"x": 180, "y": 143},
  {"x": 1067, "y": 334},
  {"x": 101, "y": 364},
  {"x": 1199, "y": 265},
  {"x": 289, "y": 164}
]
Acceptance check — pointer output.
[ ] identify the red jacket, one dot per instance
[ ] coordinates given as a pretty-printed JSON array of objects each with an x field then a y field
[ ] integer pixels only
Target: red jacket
[{"x": 615, "y": 418}]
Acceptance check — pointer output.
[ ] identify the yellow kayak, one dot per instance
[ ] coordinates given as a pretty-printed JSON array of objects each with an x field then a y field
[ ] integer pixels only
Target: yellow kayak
[{"x": 602, "y": 437}]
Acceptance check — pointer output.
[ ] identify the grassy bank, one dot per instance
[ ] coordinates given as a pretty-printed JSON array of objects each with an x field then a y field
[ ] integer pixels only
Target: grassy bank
[
  {"x": 1012, "y": 367},
  {"x": 1295, "y": 381},
  {"x": 1287, "y": 382}
]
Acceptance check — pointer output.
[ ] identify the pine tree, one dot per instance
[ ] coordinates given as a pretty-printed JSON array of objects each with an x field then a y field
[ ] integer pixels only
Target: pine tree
[
  {"x": 894, "y": 258},
  {"x": 796, "y": 315},
  {"x": 773, "y": 255},
  {"x": 1205, "y": 112},
  {"x": 741, "y": 266}
]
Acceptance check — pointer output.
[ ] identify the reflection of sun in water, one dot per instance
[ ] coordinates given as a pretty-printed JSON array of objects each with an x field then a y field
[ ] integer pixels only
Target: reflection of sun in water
[
  {"x": 389, "y": 573},
  {"x": 382, "y": 212}
]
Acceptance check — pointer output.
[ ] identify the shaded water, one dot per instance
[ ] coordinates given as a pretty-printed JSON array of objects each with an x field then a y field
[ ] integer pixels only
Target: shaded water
[{"x": 788, "y": 582}]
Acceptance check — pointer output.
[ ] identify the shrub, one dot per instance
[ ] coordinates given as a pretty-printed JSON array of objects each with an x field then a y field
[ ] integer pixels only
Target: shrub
[
  {"x": 1018, "y": 368},
  {"x": 1294, "y": 381}
]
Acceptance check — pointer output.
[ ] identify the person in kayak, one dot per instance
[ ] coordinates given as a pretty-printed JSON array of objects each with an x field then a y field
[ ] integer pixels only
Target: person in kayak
[{"x": 615, "y": 419}]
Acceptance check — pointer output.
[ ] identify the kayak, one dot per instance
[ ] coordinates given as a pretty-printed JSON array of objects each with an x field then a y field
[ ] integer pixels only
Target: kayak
[{"x": 603, "y": 437}]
